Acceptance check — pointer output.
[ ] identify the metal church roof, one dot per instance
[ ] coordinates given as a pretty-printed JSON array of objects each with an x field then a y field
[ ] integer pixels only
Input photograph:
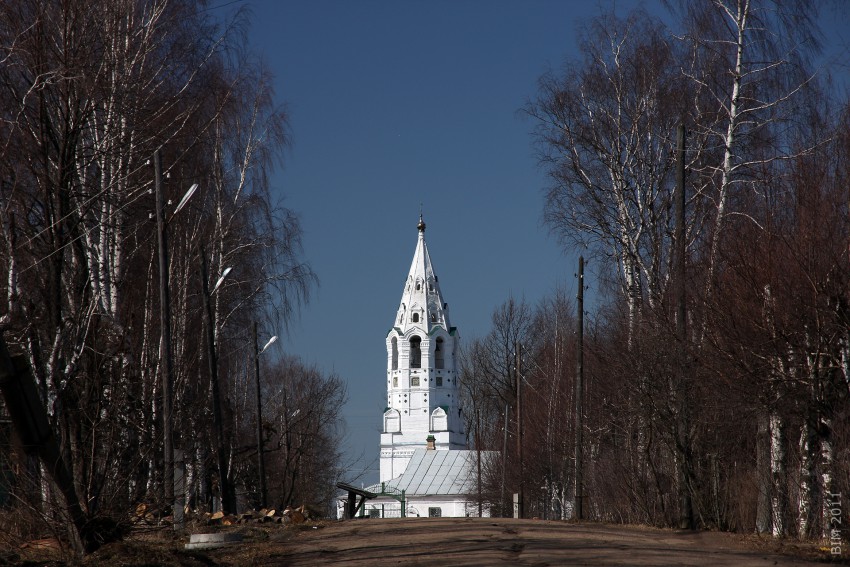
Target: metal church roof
[
  {"x": 421, "y": 295},
  {"x": 437, "y": 473}
]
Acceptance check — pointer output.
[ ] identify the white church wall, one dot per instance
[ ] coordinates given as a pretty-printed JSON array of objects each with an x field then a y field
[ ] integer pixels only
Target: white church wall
[{"x": 420, "y": 507}]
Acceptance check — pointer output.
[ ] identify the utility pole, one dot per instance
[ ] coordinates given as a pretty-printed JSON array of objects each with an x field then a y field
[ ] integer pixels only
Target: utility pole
[
  {"x": 478, "y": 450},
  {"x": 520, "y": 499},
  {"x": 166, "y": 363},
  {"x": 686, "y": 509},
  {"x": 579, "y": 395},
  {"x": 261, "y": 460},
  {"x": 228, "y": 498},
  {"x": 680, "y": 233},
  {"x": 504, "y": 458}
]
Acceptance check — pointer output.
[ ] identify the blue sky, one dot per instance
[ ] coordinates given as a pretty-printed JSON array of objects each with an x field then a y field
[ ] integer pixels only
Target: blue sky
[{"x": 393, "y": 104}]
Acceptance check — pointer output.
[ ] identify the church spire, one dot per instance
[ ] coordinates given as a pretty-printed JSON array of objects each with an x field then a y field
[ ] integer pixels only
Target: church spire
[
  {"x": 422, "y": 387},
  {"x": 421, "y": 301}
]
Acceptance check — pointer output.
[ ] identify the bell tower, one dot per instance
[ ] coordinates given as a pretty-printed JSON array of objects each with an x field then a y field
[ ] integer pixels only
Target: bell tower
[{"x": 422, "y": 377}]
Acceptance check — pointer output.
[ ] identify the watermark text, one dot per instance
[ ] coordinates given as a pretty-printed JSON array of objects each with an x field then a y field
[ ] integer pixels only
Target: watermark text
[{"x": 834, "y": 518}]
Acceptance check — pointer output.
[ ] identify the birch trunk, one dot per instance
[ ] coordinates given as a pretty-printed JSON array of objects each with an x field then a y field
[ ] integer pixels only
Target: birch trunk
[
  {"x": 827, "y": 457},
  {"x": 778, "y": 459},
  {"x": 729, "y": 140},
  {"x": 808, "y": 478},
  {"x": 10, "y": 240},
  {"x": 763, "y": 472},
  {"x": 633, "y": 295}
]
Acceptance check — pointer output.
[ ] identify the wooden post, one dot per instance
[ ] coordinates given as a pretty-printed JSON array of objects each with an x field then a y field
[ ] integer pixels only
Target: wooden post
[
  {"x": 478, "y": 451},
  {"x": 504, "y": 460},
  {"x": 228, "y": 498},
  {"x": 579, "y": 396},
  {"x": 520, "y": 501},
  {"x": 261, "y": 461},
  {"x": 179, "y": 489},
  {"x": 686, "y": 509},
  {"x": 166, "y": 362}
]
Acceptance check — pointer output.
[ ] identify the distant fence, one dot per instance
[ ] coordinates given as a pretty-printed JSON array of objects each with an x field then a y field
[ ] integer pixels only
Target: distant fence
[{"x": 383, "y": 511}]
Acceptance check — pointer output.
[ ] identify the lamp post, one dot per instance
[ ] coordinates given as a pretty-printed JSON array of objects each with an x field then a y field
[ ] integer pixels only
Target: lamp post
[
  {"x": 167, "y": 365},
  {"x": 261, "y": 461},
  {"x": 228, "y": 498}
]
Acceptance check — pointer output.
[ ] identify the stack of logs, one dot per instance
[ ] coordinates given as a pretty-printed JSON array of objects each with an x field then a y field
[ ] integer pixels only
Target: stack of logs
[{"x": 289, "y": 516}]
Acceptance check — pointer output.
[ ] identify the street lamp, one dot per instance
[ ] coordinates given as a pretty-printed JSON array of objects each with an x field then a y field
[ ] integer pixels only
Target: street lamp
[
  {"x": 228, "y": 497},
  {"x": 176, "y": 500},
  {"x": 220, "y": 280},
  {"x": 269, "y": 343},
  {"x": 261, "y": 461},
  {"x": 185, "y": 198}
]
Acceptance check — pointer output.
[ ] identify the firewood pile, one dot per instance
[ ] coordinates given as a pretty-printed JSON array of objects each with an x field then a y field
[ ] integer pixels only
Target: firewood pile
[{"x": 299, "y": 515}]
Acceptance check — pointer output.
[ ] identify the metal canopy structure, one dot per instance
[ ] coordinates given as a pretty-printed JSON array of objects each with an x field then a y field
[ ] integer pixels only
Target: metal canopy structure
[{"x": 352, "y": 506}]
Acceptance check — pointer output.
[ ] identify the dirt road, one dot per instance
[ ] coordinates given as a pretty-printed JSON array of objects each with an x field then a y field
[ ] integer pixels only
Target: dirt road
[{"x": 487, "y": 542}]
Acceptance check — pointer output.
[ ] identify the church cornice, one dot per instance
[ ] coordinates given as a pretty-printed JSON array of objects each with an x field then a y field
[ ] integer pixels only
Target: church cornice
[{"x": 452, "y": 331}]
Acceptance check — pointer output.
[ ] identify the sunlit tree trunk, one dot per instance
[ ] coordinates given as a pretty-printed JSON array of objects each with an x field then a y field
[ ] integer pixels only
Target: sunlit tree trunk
[
  {"x": 827, "y": 463},
  {"x": 808, "y": 478},
  {"x": 764, "y": 476},
  {"x": 778, "y": 464}
]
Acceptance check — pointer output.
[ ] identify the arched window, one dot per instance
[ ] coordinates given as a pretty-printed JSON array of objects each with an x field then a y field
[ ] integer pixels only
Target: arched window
[
  {"x": 439, "y": 361},
  {"x": 415, "y": 318},
  {"x": 395, "y": 354},
  {"x": 415, "y": 352}
]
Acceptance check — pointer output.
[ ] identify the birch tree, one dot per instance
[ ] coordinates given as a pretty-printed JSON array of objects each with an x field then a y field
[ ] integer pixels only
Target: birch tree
[
  {"x": 605, "y": 130},
  {"x": 89, "y": 91},
  {"x": 780, "y": 317},
  {"x": 749, "y": 65}
]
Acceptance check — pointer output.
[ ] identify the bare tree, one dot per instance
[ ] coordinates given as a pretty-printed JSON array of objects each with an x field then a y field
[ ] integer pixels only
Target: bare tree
[
  {"x": 739, "y": 76},
  {"x": 88, "y": 93},
  {"x": 606, "y": 131},
  {"x": 749, "y": 66},
  {"x": 304, "y": 428}
]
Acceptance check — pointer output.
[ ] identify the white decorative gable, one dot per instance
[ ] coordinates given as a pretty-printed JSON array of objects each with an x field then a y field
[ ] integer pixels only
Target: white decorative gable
[
  {"x": 439, "y": 420},
  {"x": 392, "y": 421}
]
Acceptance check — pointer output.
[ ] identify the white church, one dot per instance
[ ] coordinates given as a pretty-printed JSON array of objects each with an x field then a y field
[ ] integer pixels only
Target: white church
[{"x": 425, "y": 469}]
